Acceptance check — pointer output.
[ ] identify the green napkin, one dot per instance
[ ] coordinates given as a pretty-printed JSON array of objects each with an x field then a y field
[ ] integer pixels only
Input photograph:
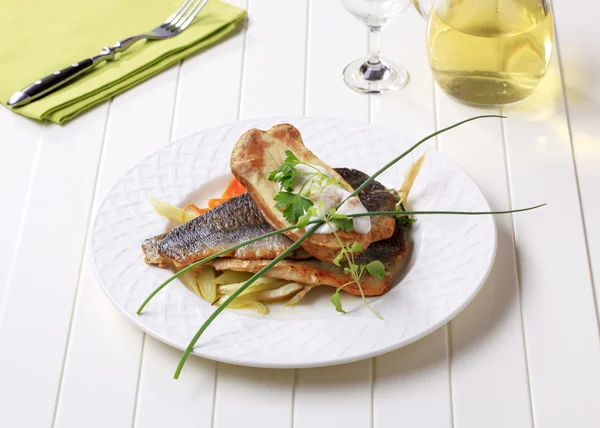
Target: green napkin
[{"x": 40, "y": 37}]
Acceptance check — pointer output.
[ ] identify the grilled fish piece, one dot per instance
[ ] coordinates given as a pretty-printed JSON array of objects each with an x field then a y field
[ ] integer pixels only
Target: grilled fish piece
[
  {"x": 238, "y": 220},
  {"x": 257, "y": 153},
  {"x": 317, "y": 272}
]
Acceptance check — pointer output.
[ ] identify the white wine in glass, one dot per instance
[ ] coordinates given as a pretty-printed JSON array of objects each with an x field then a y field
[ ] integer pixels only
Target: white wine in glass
[{"x": 375, "y": 75}]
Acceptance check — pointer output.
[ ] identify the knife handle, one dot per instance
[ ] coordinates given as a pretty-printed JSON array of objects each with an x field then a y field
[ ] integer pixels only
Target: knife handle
[{"x": 41, "y": 87}]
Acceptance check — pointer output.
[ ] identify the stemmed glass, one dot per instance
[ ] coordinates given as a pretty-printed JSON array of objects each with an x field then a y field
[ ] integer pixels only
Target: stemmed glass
[{"x": 374, "y": 75}]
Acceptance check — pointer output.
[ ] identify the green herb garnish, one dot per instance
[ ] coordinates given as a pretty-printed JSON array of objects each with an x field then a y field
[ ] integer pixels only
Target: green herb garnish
[
  {"x": 347, "y": 251},
  {"x": 284, "y": 175},
  {"x": 404, "y": 222},
  {"x": 342, "y": 221},
  {"x": 305, "y": 219},
  {"x": 375, "y": 268},
  {"x": 292, "y": 205},
  {"x": 402, "y": 213}
]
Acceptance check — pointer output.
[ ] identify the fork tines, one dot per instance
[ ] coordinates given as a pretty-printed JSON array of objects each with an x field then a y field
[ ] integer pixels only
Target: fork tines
[{"x": 184, "y": 16}]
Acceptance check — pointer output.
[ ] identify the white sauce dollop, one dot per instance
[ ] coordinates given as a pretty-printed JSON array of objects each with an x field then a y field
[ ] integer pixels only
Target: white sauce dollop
[{"x": 329, "y": 197}]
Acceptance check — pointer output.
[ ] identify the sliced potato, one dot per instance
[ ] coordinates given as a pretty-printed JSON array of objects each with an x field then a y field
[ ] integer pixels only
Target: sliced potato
[
  {"x": 409, "y": 178},
  {"x": 243, "y": 304},
  {"x": 299, "y": 296},
  {"x": 171, "y": 212},
  {"x": 206, "y": 286},
  {"x": 190, "y": 281},
  {"x": 166, "y": 210},
  {"x": 260, "y": 285},
  {"x": 277, "y": 293},
  {"x": 231, "y": 277}
]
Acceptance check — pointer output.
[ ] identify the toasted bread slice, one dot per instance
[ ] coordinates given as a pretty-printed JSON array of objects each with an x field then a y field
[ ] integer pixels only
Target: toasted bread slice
[{"x": 257, "y": 153}]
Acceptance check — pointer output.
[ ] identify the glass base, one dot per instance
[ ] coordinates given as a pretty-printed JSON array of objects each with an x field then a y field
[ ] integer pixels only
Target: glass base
[{"x": 374, "y": 78}]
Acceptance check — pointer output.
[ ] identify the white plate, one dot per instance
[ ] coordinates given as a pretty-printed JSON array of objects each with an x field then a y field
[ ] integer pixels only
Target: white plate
[{"x": 449, "y": 260}]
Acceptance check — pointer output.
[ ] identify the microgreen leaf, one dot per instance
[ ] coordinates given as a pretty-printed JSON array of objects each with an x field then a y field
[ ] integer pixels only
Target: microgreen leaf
[
  {"x": 356, "y": 247},
  {"x": 338, "y": 258},
  {"x": 332, "y": 182},
  {"x": 336, "y": 299},
  {"x": 352, "y": 269},
  {"x": 292, "y": 205},
  {"x": 405, "y": 222},
  {"x": 305, "y": 219},
  {"x": 376, "y": 269},
  {"x": 342, "y": 221}
]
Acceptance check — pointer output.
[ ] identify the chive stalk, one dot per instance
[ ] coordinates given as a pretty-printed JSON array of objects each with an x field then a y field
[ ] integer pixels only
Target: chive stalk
[
  {"x": 239, "y": 291},
  {"x": 374, "y": 213},
  {"x": 413, "y": 147}
]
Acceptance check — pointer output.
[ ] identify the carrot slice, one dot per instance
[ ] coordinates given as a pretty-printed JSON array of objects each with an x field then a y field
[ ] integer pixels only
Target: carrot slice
[
  {"x": 234, "y": 188},
  {"x": 190, "y": 212},
  {"x": 215, "y": 202},
  {"x": 195, "y": 208}
]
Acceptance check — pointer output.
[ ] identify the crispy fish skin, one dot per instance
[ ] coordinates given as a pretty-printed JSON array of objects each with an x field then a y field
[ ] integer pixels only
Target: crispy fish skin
[
  {"x": 238, "y": 220},
  {"x": 317, "y": 272},
  {"x": 235, "y": 221},
  {"x": 257, "y": 153}
]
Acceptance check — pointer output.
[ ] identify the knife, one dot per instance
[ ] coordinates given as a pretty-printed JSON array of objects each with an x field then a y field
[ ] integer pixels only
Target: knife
[{"x": 41, "y": 87}]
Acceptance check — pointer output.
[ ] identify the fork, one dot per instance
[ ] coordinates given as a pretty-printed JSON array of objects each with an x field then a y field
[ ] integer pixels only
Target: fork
[{"x": 175, "y": 24}]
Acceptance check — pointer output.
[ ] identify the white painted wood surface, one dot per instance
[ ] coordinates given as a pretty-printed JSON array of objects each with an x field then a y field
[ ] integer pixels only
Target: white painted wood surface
[{"x": 524, "y": 353}]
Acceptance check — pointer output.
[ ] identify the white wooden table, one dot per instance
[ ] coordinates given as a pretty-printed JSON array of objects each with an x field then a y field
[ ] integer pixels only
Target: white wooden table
[{"x": 524, "y": 353}]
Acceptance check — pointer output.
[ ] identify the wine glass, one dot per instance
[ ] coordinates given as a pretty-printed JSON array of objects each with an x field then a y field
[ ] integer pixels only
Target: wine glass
[{"x": 374, "y": 75}]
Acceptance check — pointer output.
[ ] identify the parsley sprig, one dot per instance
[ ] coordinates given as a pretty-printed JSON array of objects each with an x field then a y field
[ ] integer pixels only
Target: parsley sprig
[
  {"x": 292, "y": 205},
  {"x": 403, "y": 221},
  {"x": 285, "y": 174}
]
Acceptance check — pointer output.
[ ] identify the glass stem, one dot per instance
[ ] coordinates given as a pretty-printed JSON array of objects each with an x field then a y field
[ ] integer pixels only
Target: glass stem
[{"x": 374, "y": 40}]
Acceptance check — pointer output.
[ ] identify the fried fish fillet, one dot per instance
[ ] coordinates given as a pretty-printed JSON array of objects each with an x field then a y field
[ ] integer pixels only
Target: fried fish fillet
[
  {"x": 235, "y": 221},
  {"x": 257, "y": 153},
  {"x": 238, "y": 220},
  {"x": 317, "y": 272}
]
